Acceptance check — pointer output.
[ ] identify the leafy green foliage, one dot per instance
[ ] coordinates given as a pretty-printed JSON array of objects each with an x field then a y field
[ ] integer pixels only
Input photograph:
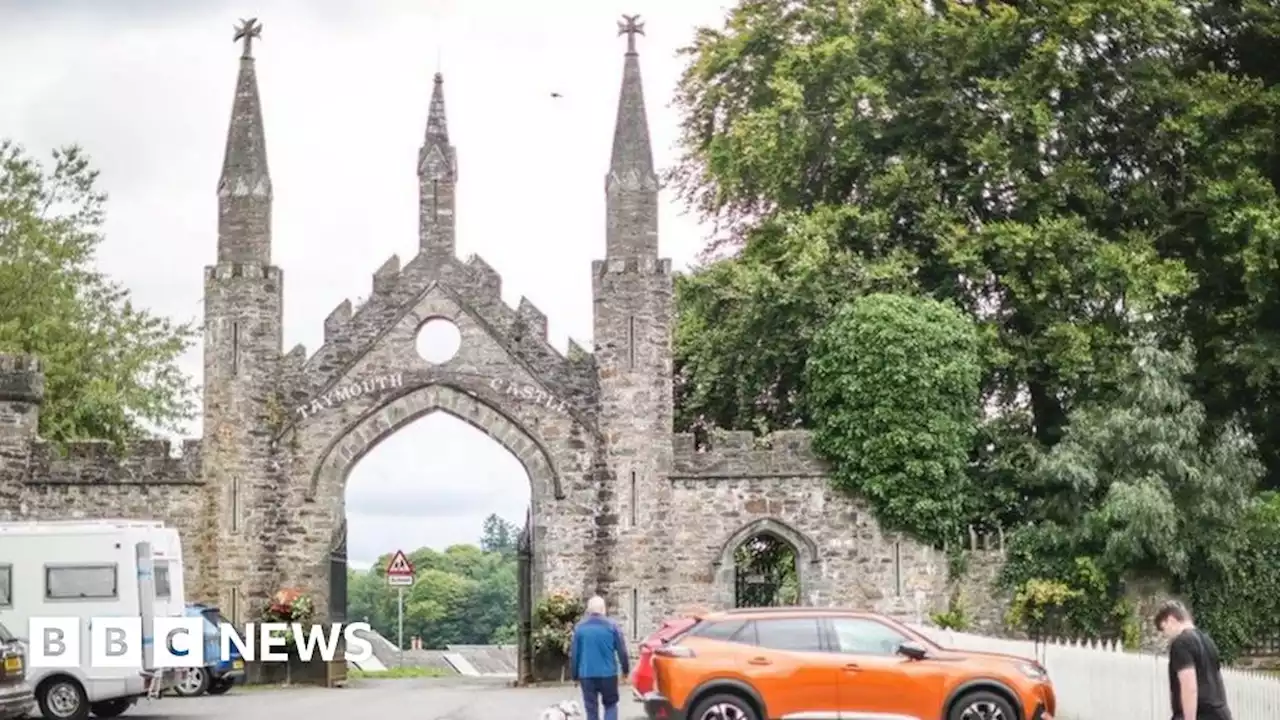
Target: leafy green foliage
[
  {"x": 1140, "y": 487},
  {"x": 1137, "y": 482},
  {"x": 783, "y": 288},
  {"x": 955, "y": 617},
  {"x": 765, "y": 570},
  {"x": 1237, "y": 602},
  {"x": 110, "y": 368},
  {"x": 941, "y": 146},
  {"x": 1039, "y": 607},
  {"x": 554, "y": 618},
  {"x": 499, "y": 536},
  {"x": 893, "y": 387},
  {"x": 1085, "y": 181}
]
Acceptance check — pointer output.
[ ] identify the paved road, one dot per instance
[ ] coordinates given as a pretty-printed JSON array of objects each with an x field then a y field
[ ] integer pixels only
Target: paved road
[{"x": 418, "y": 698}]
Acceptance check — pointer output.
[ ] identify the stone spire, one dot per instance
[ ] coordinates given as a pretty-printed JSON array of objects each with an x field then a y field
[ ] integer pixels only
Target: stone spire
[
  {"x": 437, "y": 178},
  {"x": 631, "y": 187},
  {"x": 244, "y": 189}
]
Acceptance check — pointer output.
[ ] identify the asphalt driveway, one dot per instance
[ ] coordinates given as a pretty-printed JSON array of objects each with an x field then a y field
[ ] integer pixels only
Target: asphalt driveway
[{"x": 418, "y": 698}]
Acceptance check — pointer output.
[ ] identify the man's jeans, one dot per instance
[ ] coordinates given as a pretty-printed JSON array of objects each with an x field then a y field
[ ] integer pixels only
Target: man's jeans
[{"x": 596, "y": 691}]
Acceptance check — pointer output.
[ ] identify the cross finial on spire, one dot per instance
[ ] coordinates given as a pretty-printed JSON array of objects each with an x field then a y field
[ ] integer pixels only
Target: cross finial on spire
[
  {"x": 630, "y": 26},
  {"x": 247, "y": 30}
]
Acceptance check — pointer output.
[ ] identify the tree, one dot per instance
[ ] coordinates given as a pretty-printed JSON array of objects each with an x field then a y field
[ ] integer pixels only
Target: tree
[
  {"x": 1137, "y": 484},
  {"x": 1138, "y": 492},
  {"x": 110, "y": 368},
  {"x": 499, "y": 536},
  {"x": 462, "y": 595},
  {"x": 893, "y": 388},
  {"x": 1033, "y": 191}
]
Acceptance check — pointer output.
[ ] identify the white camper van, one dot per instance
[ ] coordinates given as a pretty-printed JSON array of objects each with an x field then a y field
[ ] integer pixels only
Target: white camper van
[
  {"x": 85, "y": 569},
  {"x": 166, "y": 546}
]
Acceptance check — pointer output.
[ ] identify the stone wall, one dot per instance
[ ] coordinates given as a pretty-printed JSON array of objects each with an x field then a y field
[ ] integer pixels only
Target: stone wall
[
  {"x": 150, "y": 480},
  {"x": 740, "y": 486},
  {"x": 489, "y": 383},
  {"x": 976, "y": 592}
]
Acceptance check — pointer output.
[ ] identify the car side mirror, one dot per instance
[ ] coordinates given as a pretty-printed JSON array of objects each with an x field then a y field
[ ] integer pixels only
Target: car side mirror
[{"x": 913, "y": 650}]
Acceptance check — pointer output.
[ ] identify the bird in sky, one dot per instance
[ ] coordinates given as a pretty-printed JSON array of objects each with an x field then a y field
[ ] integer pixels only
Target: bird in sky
[{"x": 556, "y": 95}]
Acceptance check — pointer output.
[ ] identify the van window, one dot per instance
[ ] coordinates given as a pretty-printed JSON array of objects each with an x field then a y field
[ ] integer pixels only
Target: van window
[
  {"x": 162, "y": 579},
  {"x": 80, "y": 582},
  {"x": 6, "y": 586}
]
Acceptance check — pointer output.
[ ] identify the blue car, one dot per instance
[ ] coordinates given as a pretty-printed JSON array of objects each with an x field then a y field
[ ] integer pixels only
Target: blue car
[{"x": 219, "y": 675}]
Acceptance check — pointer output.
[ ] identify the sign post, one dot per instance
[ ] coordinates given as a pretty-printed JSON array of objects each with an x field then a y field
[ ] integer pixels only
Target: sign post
[{"x": 400, "y": 576}]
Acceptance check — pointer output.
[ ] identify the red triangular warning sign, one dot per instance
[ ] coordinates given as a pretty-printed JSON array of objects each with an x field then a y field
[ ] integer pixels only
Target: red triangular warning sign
[{"x": 400, "y": 565}]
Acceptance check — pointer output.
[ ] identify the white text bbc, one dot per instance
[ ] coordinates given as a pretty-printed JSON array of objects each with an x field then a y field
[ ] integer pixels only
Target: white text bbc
[{"x": 177, "y": 642}]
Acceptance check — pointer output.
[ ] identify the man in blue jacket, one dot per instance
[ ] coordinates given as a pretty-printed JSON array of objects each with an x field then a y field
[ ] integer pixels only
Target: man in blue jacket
[{"x": 595, "y": 657}]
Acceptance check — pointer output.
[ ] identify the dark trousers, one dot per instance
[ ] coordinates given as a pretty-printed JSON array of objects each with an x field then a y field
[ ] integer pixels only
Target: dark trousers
[{"x": 600, "y": 691}]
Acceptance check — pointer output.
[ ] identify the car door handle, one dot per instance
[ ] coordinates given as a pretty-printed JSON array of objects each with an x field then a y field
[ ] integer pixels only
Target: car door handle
[
  {"x": 852, "y": 667},
  {"x": 759, "y": 661}
]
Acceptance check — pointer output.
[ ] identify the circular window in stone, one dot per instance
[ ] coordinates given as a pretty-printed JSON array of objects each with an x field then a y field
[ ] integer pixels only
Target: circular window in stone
[{"x": 438, "y": 341}]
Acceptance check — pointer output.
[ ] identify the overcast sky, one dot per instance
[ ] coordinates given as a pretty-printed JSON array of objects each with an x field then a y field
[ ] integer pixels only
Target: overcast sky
[{"x": 146, "y": 86}]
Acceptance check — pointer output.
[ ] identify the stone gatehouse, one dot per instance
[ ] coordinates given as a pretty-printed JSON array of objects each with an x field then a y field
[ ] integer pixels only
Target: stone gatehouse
[{"x": 620, "y": 504}]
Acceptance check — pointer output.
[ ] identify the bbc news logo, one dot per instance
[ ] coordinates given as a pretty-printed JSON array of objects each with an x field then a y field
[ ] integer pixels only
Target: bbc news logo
[{"x": 179, "y": 642}]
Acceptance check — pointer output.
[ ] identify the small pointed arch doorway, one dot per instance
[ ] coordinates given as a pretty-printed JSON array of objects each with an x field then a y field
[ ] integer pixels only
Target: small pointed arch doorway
[{"x": 765, "y": 563}]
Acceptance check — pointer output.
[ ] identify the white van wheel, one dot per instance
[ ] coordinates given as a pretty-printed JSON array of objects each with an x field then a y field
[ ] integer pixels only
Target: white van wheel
[
  {"x": 192, "y": 682},
  {"x": 62, "y": 698}
]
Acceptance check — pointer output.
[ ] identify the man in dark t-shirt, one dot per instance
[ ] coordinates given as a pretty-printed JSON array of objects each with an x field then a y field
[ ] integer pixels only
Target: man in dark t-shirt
[{"x": 1196, "y": 690}]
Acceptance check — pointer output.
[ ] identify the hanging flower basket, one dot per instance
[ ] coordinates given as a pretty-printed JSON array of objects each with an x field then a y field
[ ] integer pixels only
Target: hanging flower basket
[
  {"x": 289, "y": 605},
  {"x": 554, "y": 618}
]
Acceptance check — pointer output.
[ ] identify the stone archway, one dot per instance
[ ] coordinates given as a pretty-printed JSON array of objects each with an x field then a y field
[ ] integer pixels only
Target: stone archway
[
  {"x": 357, "y": 440},
  {"x": 805, "y": 549}
]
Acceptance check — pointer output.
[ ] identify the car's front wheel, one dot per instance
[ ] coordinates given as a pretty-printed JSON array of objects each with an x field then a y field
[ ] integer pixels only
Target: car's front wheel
[
  {"x": 982, "y": 705},
  {"x": 724, "y": 707},
  {"x": 192, "y": 682}
]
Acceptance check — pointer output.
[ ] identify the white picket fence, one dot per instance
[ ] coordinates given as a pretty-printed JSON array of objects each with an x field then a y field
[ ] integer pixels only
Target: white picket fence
[{"x": 1099, "y": 681}]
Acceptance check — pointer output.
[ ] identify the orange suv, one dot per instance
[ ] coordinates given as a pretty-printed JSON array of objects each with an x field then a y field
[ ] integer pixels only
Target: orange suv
[{"x": 830, "y": 664}]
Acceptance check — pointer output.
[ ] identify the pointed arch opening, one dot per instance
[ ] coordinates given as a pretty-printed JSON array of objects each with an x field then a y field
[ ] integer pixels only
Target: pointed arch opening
[
  {"x": 381, "y": 444},
  {"x": 766, "y": 563}
]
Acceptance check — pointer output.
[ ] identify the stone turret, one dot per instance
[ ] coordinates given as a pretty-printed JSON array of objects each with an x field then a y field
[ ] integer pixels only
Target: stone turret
[
  {"x": 437, "y": 180},
  {"x": 632, "y": 288},
  {"x": 242, "y": 350}
]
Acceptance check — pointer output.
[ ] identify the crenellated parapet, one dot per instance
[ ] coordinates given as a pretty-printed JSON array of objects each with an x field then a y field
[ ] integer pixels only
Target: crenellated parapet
[
  {"x": 98, "y": 462},
  {"x": 477, "y": 287},
  {"x": 743, "y": 454}
]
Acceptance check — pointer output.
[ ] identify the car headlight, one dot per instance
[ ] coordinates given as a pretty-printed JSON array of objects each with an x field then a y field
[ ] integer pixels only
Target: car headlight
[{"x": 1035, "y": 671}]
